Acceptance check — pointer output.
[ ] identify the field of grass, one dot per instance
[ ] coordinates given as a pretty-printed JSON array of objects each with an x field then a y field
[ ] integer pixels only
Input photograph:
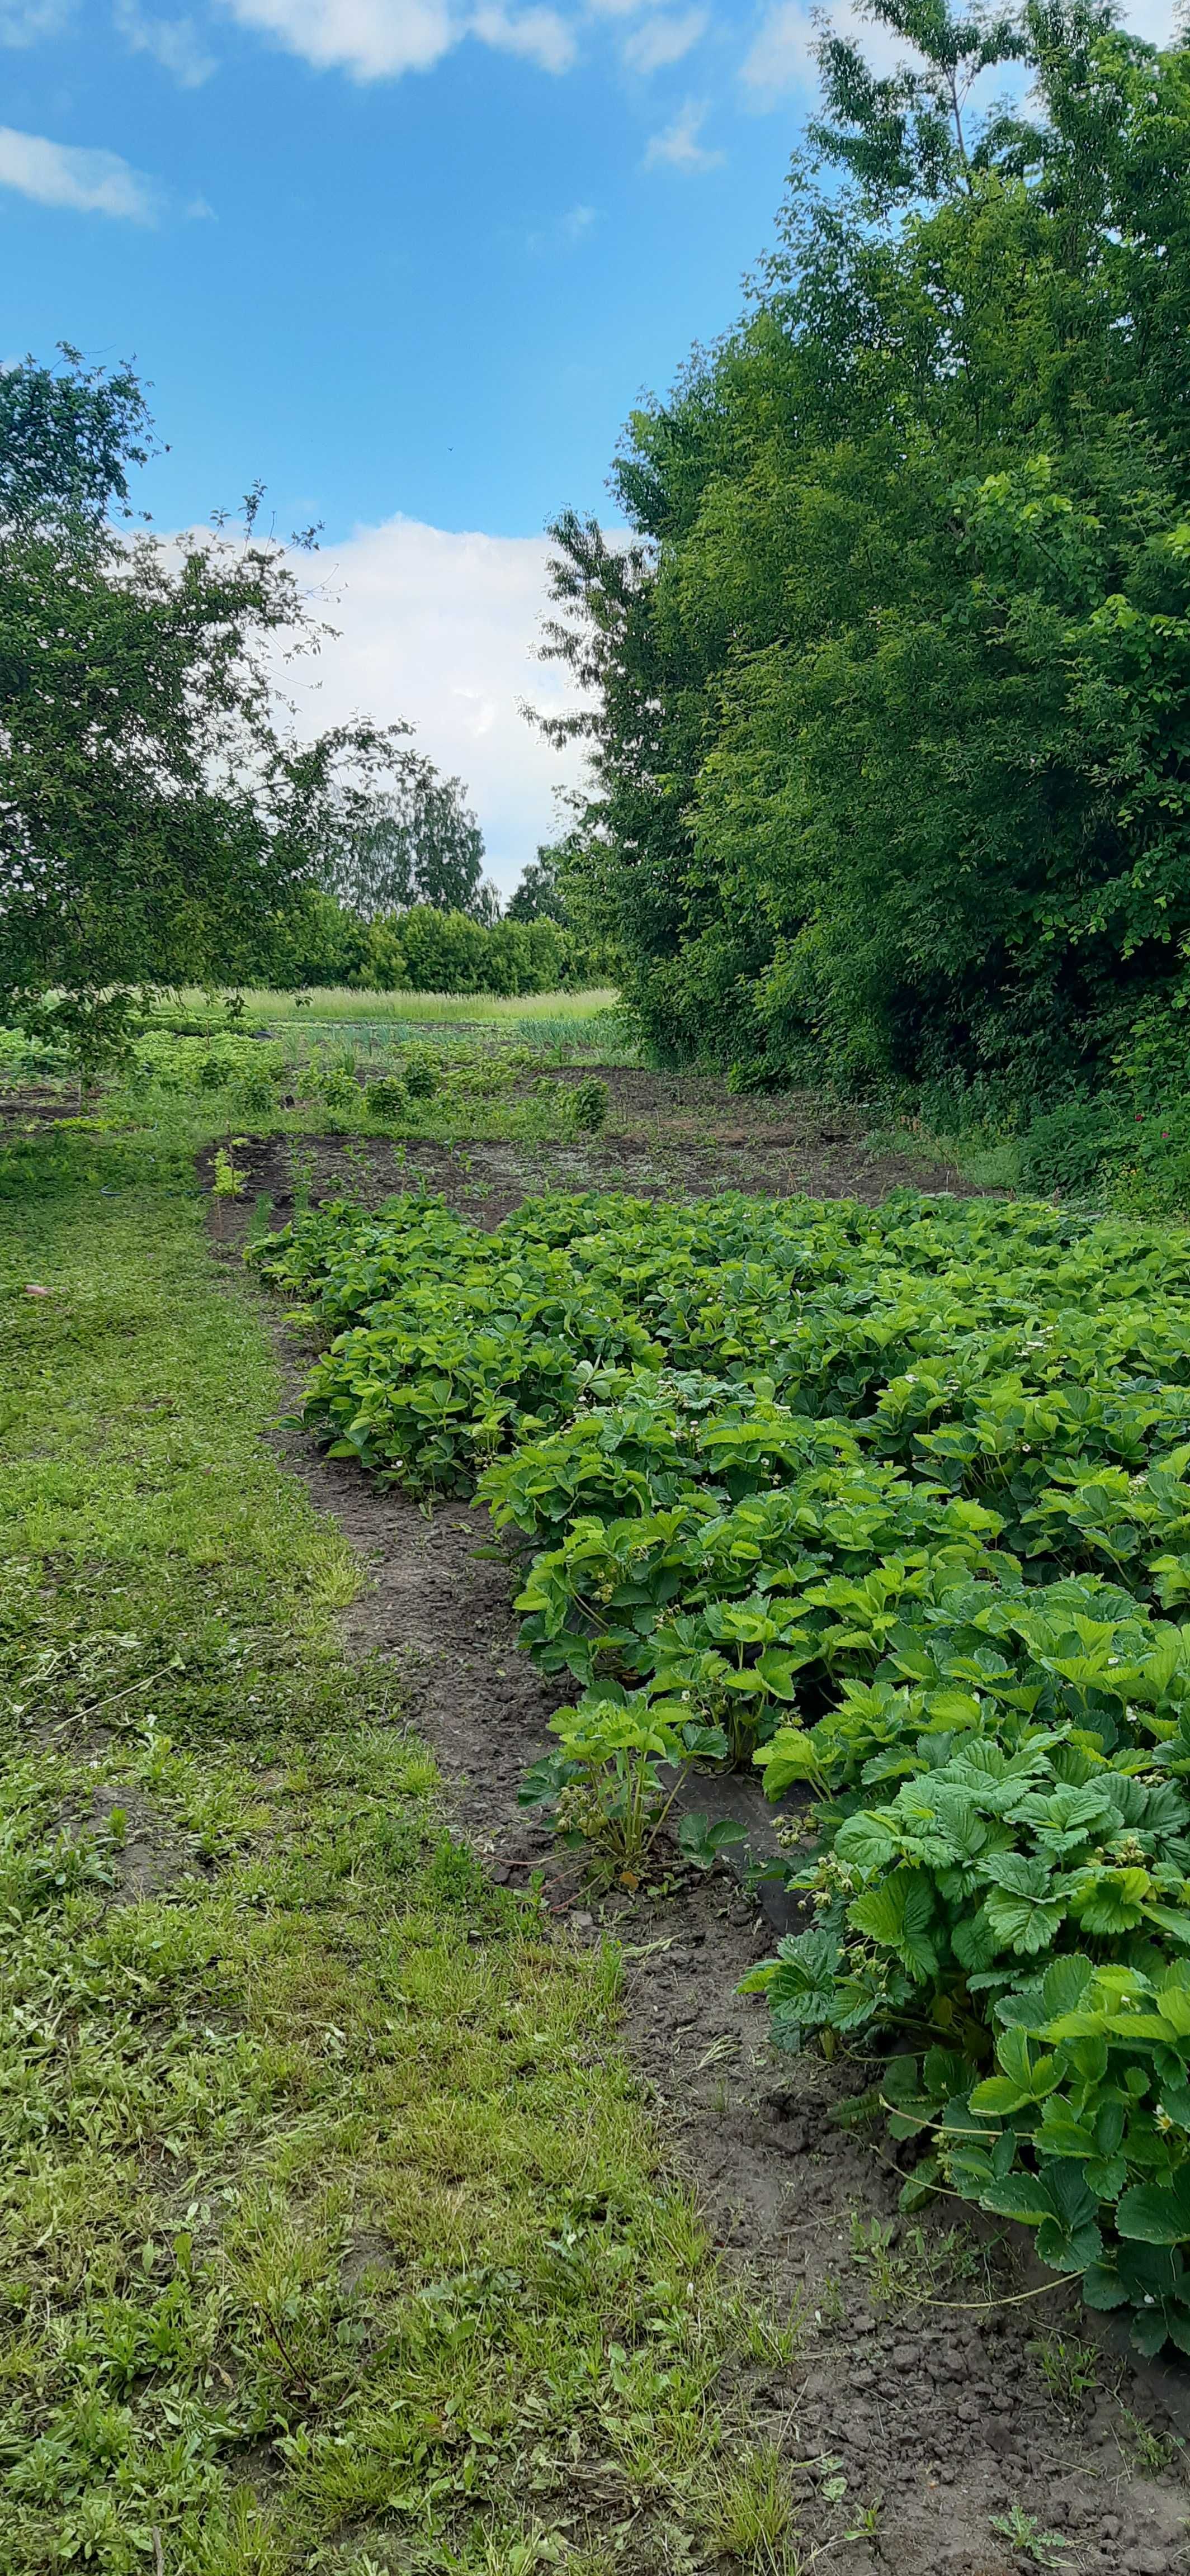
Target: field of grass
[
  {"x": 340, "y": 1002},
  {"x": 334, "y": 2232}
]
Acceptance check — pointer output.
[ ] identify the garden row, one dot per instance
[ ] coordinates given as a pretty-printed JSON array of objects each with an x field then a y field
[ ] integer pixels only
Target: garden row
[{"x": 893, "y": 1503}]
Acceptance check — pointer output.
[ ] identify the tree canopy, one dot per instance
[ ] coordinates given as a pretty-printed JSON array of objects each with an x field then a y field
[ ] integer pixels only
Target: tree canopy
[
  {"x": 538, "y": 894},
  {"x": 157, "y": 812},
  {"x": 413, "y": 841},
  {"x": 888, "y": 727}
]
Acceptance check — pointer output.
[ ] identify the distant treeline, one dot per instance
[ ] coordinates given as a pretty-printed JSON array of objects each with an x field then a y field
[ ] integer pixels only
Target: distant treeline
[{"x": 422, "y": 950}]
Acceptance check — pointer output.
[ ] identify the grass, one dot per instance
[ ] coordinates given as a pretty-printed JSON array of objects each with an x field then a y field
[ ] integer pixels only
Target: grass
[
  {"x": 339, "y": 1002},
  {"x": 333, "y": 2232}
]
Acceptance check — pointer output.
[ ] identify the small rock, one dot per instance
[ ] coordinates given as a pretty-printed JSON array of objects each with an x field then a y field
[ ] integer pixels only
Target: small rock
[
  {"x": 583, "y": 1922},
  {"x": 904, "y": 2356},
  {"x": 1146, "y": 2561}
]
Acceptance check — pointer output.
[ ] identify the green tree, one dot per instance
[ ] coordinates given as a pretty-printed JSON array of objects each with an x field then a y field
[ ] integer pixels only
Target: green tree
[
  {"x": 155, "y": 816},
  {"x": 68, "y": 435},
  {"x": 888, "y": 684},
  {"x": 538, "y": 894},
  {"x": 413, "y": 841}
]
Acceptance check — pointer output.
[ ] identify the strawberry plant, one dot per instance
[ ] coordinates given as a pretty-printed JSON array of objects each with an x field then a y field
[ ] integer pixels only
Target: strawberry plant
[
  {"x": 892, "y": 1503},
  {"x": 617, "y": 1771}
]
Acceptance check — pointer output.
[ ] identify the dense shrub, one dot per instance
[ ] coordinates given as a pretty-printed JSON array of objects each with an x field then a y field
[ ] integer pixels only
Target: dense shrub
[
  {"x": 420, "y": 951},
  {"x": 1067, "y": 1148}
]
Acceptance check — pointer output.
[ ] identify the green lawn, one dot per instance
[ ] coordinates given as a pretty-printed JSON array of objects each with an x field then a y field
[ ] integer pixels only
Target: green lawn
[{"x": 333, "y": 2234}]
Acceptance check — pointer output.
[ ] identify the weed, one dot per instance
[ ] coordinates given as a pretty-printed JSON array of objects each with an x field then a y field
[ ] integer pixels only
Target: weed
[
  {"x": 1041, "y": 2548},
  {"x": 1152, "y": 2454},
  {"x": 589, "y": 1106},
  {"x": 1069, "y": 2368},
  {"x": 903, "y": 2264},
  {"x": 226, "y": 1181},
  {"x": 751, "y": 2515},
  {"x": 831, "y": 2309}
]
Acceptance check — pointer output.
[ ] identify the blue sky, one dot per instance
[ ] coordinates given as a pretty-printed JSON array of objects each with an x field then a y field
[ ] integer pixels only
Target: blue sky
[
  {"x": 409, "y": 261},
  {"x": 434, "y": 291}
]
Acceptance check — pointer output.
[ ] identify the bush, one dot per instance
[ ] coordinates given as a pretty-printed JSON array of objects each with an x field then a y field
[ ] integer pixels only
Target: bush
[
  {"x": 385, "y": 1097},
  {"x": 422, "y": 1073},
  {"x": 589, "y": 1106},
  {"x": 1066, "y": 1150},
  {"x": 337, "y": 1088},
  {"x": 253, "y": 1096},
  {"x": 214, "y": 1073}
]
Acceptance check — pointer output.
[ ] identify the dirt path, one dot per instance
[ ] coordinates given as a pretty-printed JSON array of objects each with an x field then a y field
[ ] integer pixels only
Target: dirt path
[{"x": 930, "y": 2376}]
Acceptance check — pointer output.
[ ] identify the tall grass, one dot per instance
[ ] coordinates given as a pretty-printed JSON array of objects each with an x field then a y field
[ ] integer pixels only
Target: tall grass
[{"x": 339, "y": 1002}]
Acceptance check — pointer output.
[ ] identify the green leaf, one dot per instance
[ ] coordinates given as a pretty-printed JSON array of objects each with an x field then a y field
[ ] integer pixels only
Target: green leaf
[
  {"x": 701, "y": 1841},
  {"x": 898, "y": 1916},
  {"x": 865, "y": 1843},
  {"x": 1157, "y": 2213},
  {"x": 1057, "y": 2201},
  {"x": 1025, "y": 2077}
]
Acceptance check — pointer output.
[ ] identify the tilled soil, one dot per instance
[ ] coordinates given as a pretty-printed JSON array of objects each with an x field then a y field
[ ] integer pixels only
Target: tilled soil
[
  {"x": 918, "y": 2378},
  {"x": 668, "y": 1135}
]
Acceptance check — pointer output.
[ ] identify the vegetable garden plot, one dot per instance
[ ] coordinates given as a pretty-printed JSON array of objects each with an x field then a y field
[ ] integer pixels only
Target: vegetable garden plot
[{"x": 892, "y": 1502}]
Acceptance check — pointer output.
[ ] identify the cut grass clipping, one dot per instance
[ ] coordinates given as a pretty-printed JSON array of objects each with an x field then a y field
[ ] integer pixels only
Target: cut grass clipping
[
  {"x": 894, "y": 1503},
  {"x": 332, "y": 2236}
]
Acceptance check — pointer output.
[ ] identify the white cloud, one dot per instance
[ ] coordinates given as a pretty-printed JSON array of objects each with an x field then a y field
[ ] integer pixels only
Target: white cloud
[
  {"x": 539, "y": 34},
  {"x": 1155, "y": 20},
  {"x": 679, "y": 144},
  {"x": 443, "y": 629},
  {"x": 664, "y": 40},
  {"x": 564, "y": 232},
  {"x": 174, "y": 43},
  {"x": 26, "y": 22},
  {"x": 63, "y": 174},
  {"x": 372, "y": 39},
  {"x": 380, "y": 39},
  {"x": 781, "y": 57}
]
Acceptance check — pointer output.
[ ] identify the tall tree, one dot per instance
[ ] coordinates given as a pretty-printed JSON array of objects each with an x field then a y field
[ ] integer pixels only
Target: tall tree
[
  {"x": 538, "y": 894},
  {"x": 155, "y": 812},
  {"x": 888, "y": 684},
  {"x": 412, "y": 840}
]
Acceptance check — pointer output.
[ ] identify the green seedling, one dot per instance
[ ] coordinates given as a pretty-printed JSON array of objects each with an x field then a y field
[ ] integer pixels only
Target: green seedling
[{"x": 1041, "y": 2548}]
